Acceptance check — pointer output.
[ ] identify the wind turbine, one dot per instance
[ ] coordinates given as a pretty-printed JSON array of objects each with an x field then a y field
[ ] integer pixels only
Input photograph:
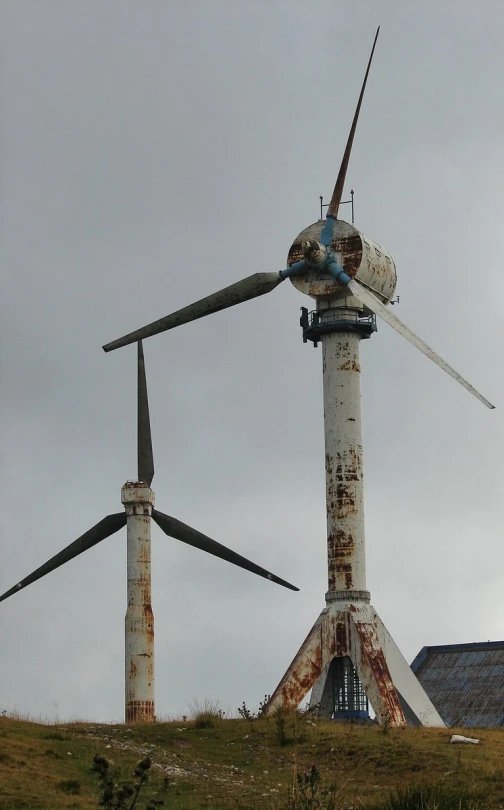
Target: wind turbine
[
  {"x": 352, "y": 279},
  {"x": 138, "y": 500}
]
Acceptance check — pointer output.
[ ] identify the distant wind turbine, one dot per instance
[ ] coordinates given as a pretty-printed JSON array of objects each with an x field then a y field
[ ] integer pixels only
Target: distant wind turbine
[{"x": 138, "y": 500}]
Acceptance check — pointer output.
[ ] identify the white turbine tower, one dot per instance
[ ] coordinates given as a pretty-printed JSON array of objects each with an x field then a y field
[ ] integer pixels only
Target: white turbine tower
[
  {"x": 352, "y": 279},
  {"x": 138, "y": 500}
]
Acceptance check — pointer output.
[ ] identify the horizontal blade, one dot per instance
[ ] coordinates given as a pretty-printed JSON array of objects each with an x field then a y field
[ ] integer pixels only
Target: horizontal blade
[
  {"x": 369, "y": 300},
  {"x": 103, "y": 529},
  {"x": 144, "y": 438},
  {"x": 180, "y": 531},
  {"x": 251, "y": 287},
  {"x": 332, "y": 210}
]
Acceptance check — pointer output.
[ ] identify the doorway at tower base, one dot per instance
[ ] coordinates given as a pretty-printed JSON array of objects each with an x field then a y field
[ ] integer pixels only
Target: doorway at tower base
[
  {"x": 354, "y": 630},
  {"x": 338, "y": 693}
]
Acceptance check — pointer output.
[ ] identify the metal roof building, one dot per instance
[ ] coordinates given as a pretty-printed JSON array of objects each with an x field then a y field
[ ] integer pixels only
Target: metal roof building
[{"x": 465, "y": 682}]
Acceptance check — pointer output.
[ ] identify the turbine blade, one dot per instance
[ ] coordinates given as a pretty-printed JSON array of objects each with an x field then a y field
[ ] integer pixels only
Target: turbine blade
[
  {"x": 371, "y": 302},
  {"x": 332, "y": 211},
  {"x": 250, "y": 287},
  {"x": 144, "y": 438},
  {"x": 180, "y": 531},
  {"x": 103, "y": 529}
]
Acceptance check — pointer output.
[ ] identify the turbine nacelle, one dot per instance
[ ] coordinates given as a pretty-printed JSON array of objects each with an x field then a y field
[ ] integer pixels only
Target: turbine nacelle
[{"x": 349, "y": 250}]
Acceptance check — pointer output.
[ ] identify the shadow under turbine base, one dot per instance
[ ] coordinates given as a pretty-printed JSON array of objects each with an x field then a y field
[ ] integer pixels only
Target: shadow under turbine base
[{"x": 353, "y": 629}]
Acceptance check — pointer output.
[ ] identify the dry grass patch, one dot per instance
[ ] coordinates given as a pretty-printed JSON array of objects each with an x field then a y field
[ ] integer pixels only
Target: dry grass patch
[
  {"x": 37, "y": 771},
  {"x": 246, "y": 764}
]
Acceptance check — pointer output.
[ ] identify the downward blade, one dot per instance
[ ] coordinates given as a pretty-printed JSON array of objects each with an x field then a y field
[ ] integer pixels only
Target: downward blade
[
  {"x": 144, "y": 438},
  {"x": 380, "y": 309},
  {"x": 180, "y": 531},
  {"x": 332, "y": 211},
  {"x": 250, "y": 287},
  {"x": 103, "y": 529}
]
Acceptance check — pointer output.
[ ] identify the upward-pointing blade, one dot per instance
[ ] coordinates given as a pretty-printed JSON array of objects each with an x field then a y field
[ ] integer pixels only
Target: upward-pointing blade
[
  {"x": 180, "y": 531},
  {"x": 332, "y": 211},
  {"x": 103, "y": 529},
  {"x": 144, "y": 438},
  {"x": 250, "y": 287},
  {"x": 378, "y": 308}
]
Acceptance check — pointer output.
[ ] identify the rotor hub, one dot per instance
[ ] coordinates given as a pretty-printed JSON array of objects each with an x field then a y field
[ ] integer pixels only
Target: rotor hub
[{"x": 314, "y": 252}]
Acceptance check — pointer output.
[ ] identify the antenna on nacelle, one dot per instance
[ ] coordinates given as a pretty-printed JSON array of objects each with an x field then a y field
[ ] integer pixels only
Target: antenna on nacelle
[{"x": 345, "y": 202}]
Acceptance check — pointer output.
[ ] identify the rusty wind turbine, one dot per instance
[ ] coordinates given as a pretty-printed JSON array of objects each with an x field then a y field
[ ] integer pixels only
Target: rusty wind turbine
[
  {"x": 348, "y": 655},
  {"x": 138, "y": 500}
]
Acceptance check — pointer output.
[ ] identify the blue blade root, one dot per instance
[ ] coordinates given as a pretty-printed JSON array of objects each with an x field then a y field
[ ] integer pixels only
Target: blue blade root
[
  {"x": 294, "y": 270},
  {"x": 338, "y": 273},
  {"x": 327, "y": 234}
]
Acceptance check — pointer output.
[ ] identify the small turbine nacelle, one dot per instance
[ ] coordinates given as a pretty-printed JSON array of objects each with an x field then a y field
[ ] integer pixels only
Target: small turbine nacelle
[{"x": 359, "y": 256}]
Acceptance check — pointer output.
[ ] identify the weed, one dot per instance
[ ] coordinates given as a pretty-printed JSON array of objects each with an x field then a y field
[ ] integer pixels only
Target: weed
[
  {"x": 122, "y": 796},
  {"x": 69, "y": 786},
  {"x": 280, "y": 727},
  {"x": 386, "y": 725},
  {"x": 459, "y": 759},
  {"x": 60, "y": 736},
  {"x": 309, "y": 793},
  {"x": 204, "y": 721},
  {"x": 310, "y": 710},
  {"x": 206, "y": 714},
  {"x": 263, "y": 705},
  {"x": 301, "y": 720},
  {"x": 53, "y": 754},
  {"x": 245, "y": 713}
]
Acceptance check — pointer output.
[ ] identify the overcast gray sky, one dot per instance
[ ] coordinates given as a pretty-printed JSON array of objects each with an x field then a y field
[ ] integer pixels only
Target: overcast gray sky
[{"x": 152, "y": 153}]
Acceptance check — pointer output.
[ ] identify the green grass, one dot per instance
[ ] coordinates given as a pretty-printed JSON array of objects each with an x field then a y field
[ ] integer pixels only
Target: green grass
[
  {"x": 439, "y": 796},
  {"x": 261, "y": 763}
]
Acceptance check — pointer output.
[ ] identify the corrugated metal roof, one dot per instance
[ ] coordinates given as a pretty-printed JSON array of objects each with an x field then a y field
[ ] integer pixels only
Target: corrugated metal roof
[{"x": 465, "y": 682}]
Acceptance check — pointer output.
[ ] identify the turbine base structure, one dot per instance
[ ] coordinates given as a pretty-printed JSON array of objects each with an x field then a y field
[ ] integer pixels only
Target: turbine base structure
[
  {"x": 349, "y": 632},
  {"x": 353, "y": 630}
]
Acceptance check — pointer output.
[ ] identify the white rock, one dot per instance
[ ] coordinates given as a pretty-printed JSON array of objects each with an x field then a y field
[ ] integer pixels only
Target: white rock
[{"x": 458, "y": 738}]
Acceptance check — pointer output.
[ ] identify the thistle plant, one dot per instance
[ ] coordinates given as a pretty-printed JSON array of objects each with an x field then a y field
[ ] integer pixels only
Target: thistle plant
[{"x": 119, "y": 795}]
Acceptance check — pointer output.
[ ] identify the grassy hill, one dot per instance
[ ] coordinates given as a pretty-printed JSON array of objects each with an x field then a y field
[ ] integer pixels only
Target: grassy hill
[{"x": 290, "y": 761}]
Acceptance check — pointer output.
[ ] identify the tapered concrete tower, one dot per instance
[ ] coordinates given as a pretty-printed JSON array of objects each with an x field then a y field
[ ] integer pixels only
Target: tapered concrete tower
[{"x": 138, "y": 500}]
